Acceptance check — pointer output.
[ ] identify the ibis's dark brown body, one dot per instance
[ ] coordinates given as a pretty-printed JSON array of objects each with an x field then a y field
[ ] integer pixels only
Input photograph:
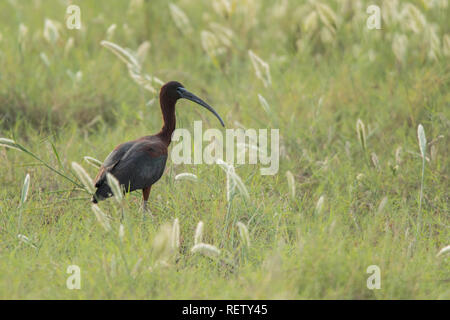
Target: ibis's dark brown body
[{"x": 138, "y": 164}]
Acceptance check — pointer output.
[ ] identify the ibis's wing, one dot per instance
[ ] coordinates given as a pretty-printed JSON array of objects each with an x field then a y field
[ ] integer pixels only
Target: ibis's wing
[
  {"x": 111, "y": 160},
  {"x": 136, "y": 164},
  {"x": 140, "y": 167}
]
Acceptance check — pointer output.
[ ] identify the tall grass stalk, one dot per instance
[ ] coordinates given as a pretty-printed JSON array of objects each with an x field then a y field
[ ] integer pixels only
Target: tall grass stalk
[
  {"x": 23, "y": 199},
  {"x": 14, "y": 145},
  {"x": 423, "y": 149}
]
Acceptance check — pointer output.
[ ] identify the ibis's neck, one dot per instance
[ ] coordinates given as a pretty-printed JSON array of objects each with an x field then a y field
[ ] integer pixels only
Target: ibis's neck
[{"x": 168, "y": 112}]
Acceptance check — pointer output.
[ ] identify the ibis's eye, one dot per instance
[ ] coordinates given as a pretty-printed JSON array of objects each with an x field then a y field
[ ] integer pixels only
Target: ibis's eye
[{"x": 180, "y": 91}]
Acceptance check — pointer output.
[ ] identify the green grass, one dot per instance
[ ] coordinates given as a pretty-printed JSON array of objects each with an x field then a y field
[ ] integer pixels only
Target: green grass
[{"x": 295, "y": 253}]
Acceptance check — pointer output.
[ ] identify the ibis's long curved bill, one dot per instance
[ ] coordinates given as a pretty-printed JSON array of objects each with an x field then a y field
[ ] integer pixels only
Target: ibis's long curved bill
[{"x": 190, "y": 96}]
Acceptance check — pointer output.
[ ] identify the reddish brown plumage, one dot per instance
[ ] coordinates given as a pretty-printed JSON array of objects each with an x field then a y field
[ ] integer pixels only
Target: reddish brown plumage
[{"x": 138, "y": 164}]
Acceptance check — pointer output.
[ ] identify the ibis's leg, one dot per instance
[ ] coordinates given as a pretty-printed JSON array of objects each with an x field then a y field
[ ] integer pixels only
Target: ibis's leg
[{"x": 145, "y": 195}]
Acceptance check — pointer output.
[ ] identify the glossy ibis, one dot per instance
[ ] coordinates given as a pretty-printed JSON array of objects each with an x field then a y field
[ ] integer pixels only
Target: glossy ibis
[{"x": 138, "y": 164}]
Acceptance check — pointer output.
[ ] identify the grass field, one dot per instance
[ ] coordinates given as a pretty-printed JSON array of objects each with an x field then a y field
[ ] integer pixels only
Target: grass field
[{"x": 64, "y": 96}]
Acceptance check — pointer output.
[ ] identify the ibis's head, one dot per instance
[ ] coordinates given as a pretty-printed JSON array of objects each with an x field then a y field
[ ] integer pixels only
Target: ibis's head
[{"x": 174, "y": 90}]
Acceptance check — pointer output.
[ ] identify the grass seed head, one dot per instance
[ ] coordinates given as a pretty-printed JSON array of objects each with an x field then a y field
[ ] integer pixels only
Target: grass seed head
[
  {"x": 84, "y": 177},
  {"x": 121, "y": 232},
  {"x": 8, "y": 143},
  {"x": 26, "y": 240},
  {"x": 361, "y": 131},
  {"x": 180, "y": 19},
  {"x": 262, "y": 69},
  {"x": 142, "y": 51},
  {"x": 291, "y": 184},
  {"x": 319, "y": 205},
  {"x": 176, "y": 234},
  {"x": 444, "y": 251},
  {"x": 186, "y": 176},
  {"x": 110, "y": 31},
  {"x": 206, "y": 249},
  {"x": 243, "y": 232},
  {"x": 382, "y": 204},
  {"x": 51, "y": 33},
  {"x": 198, "y": 237},
  {"x": 26, "y": 186},
  {"x": 114, "y": 184},
  {"x": 422, "y": 140},
  {"x": 375, "y": 161},
  {"x": 93, "y": 162},
  {"x": 264, "y": 104},
  {"x": 102, "y": 218}
]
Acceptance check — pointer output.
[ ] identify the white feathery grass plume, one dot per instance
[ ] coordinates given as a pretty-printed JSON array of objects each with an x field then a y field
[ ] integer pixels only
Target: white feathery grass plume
[
  {"x": 212, "y": 46},
  {"x": 223, "y": 8},
  {"x": 443, "y": 251},
  {"x": 92, "y": 161},
  {"x": 361, "y": 131},
  {"x": 8, "y": 143},
  {"x": 423, "y": 149},
  {"x": 206, "y": 249},
  {"x": 319, "y": 205},
  {"x": 400, "y": 46},
  {"x": 434, "y": 43},
  {"x": 390, "y": 11},
  {"x": 327, "y": 16},
  {"x": 243, "y": 232},
  {"x": 262, "y": 69},
  {"x": 222, "y": 33},
  {"x": 252, "y": 147},
  {"x": 114, "y": 184},
  {"x": 280, "y": 8},
  {"x": 412, "y": 18},
  {"x": 198, "y": 237},
  {"x": 311, "y": 22},
  {"x": 45, "y": 59},
  {"x": 84, "y": 177},
  {"x": 110, "y": 31},
  {"x": 121, "y": 232},
  {"x": 69, "y": 45},
  {"x": 186, "y": 176},
  {"x": 422, "y": 140},
  {"x": 51, "y": 33},
  {"x": 240, "y": 185},
  {"x": 144, "y": 80},
  {"x": 142, "y": 51},
  {"x": 25, "y": 188},
  {"x": 102, "y": 218},
  {"x": 134, "y": 66},
  {"x": 233, "y": 180},
  {"x": 76, "y": 77},
  {"x": 176, "y": 234},
  {"x": 375, "y": 162},
  {"x": 25, "y": 239},
  {"x": 122, "y": 54},
  {"x": 264, "y": 104},
  {"x": 291, "y": 184},
  {"x": 180, "y": 19},
  {"x": 382, "y": 204}
]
